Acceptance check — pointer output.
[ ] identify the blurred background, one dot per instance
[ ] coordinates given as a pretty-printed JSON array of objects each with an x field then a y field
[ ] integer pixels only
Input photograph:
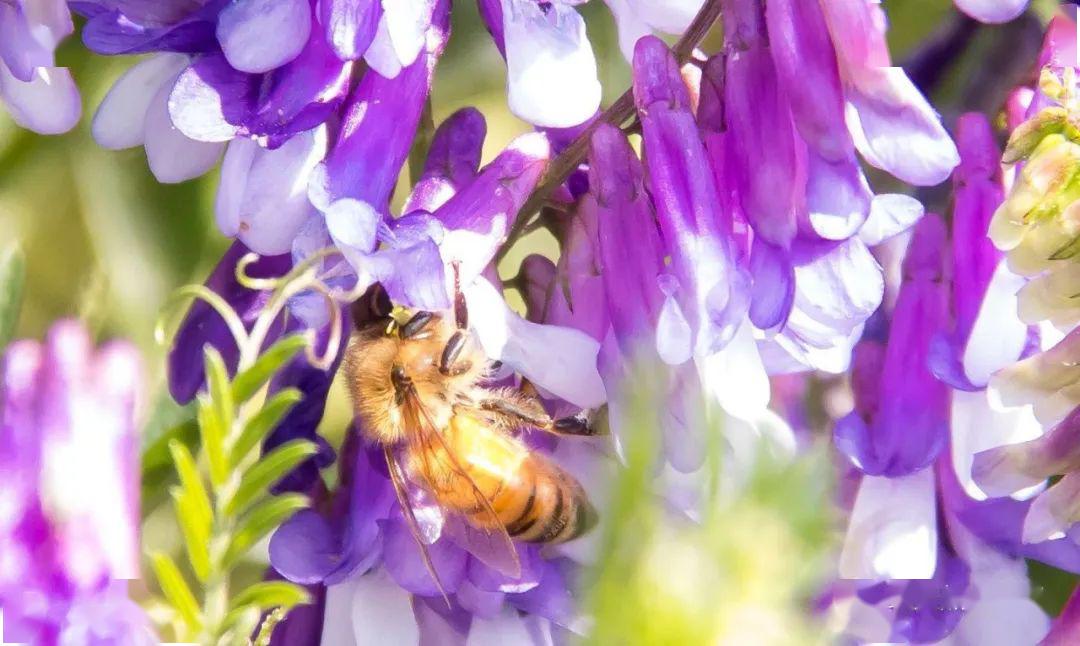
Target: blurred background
[{"x": 107, "y": 244}]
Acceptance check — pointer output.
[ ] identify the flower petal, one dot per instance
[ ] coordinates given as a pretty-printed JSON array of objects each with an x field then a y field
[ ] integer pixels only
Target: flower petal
[
  {"x": 305, "y": 548},
  {"x": 893, "y": 532},
  {"x": 120, "y": 120},
  {"x": 172, "y": 155},
  {"x": 896, "y": 130},
  {"x": 976, "y": 426},
  {"x": 560, "y": 360},
  {"x": 735, "y": 376},
  {"x": 350, "y": 25},
  {"x": 998, "y": 337},
  {"x": 243, "y": 27},
  {"x": 1054, "y": 511},
  {"x": 992, "y": 10},
  {"x": 262, "y": 197},
  {"x": 838, "y": 197},
  {"x": 551, "y": 70},
  {"x": 403, "y": 561},
  {"x": 48, "y": 104},
  {"x": 211, "y": 99},
  {"x": 890, "y": 214}
]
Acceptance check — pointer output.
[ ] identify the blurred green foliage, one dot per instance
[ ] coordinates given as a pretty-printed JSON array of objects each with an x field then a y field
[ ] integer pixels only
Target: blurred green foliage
[{"x": 746, "y": 573}]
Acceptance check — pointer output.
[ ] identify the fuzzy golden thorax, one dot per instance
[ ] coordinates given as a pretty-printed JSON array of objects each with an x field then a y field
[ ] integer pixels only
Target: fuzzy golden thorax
[{"x": 371, "y": 357}]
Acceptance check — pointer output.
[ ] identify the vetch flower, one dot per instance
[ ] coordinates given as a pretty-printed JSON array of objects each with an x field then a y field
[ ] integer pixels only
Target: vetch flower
[
  {"x": 68, "y": 411},
  {"x": 784, "y": 157},
  {"x": 37, "y": 94},
  {"x": 550, "y": 66},
  {"x": 992, "y": 11},
  {"x": 987, "y": 334},
  {"x": 707, "y": 290},
  {"x": 902, "y": 429}
]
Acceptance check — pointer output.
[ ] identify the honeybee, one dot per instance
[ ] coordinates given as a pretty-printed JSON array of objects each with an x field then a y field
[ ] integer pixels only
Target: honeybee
[{"x": 415, "y": 379}]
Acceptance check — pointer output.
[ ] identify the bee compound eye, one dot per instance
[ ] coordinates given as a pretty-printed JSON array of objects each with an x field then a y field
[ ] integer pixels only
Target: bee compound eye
[
  {"x": 380, "y": 301},
  {"x": 373, "y": 306}
]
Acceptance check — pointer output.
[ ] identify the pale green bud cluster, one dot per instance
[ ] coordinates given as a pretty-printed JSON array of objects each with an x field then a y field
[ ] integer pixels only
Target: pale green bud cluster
[{"x": 1038, "y": 225}]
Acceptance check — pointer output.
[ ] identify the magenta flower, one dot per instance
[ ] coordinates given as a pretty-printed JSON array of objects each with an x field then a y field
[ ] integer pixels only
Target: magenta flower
[{"x": 67, "y": 414}]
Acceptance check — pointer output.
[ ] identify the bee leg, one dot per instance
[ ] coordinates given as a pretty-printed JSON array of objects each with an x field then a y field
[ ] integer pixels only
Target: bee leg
[
  {"x": 517, "y": 411},
  {"x": 524, "y": 411},
  {"x": 580, "y": 424},
  {"x": 416, "y": 324},
  {"x": 449, "y": 364}
]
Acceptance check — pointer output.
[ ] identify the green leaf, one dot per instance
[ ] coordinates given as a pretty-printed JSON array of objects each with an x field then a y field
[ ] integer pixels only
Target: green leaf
[
  {"x": 242, "y": 621},
  {"x": 260, "y": 425},
  {"x": 157, "y": 464},
  {"x": 196, "y": 532},
  {"x": 271, "y": 594},
  {"x": 260, "y": 521},
  {"x": 266, "y": 472},
  {"x": 12, "y": 279},
  {"x": 156, "y": 455},
  {"x": 216, "y": 415},
  {"x": 191, "y": 485},
  {"x": 248, "y": 382},
  {"x": 176, "y": 590}
]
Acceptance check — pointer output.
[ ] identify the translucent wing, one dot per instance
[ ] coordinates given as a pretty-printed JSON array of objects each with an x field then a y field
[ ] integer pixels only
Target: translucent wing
[
  {"x": 397, "y": 477},
  {"x": 488, "y": 539}
]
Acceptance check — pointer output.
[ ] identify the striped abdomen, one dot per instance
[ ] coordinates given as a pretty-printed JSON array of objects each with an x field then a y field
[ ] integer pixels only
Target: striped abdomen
[{"x": 534, "y": 499}]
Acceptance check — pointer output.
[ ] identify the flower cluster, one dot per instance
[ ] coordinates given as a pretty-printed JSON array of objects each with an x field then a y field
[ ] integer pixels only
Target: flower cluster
[
  {"x": 67, "y": 414},
  {"x": 1034, "y": 227},
  {"x": 718, "y": 224}
]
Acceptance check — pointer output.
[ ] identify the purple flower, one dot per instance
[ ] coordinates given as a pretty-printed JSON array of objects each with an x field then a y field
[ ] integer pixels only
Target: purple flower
[
  {"x": 216, "y": 80},
  {"x": 67, "y": 414},
  {"x": 892, "y": 125},
  {"x": 38, "y": 95},
  {"x": 707, "y": 289},
  {"x": 550, "y": 67},
  {"x": 784, "y": 158},
  {"x": 992, "y": 11},
  {"x": 980, "y": 343},
  {"x": 377, "y": 584},
  {"x": 906, "y": 425}
]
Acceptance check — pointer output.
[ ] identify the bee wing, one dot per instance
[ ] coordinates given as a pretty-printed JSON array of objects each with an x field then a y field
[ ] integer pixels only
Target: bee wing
[
  {"x": 397, "y": 476},
  {"x": 491, "y": 544}
]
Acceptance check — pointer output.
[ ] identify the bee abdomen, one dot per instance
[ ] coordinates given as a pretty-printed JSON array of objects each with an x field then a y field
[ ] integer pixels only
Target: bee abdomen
[{"x": 547, "y": 506}]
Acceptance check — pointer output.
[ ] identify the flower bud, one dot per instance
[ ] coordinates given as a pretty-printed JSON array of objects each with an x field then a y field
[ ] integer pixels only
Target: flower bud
[
  {"x": 1045, "y": 187},
  {"x": 1027, "y": 136}
]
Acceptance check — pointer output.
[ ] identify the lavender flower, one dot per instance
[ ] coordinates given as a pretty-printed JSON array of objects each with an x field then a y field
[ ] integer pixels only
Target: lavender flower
[
  {"x": 37, "y": 94},
  {"x": 69, "y": 412},
  {"x": 937, "y": 554},
  {"x": 950, "y": 546},
  {"x": 810, "y": 206},
  {"x": 992, "y": 11},
  {"x": 379, "y": 588}
]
